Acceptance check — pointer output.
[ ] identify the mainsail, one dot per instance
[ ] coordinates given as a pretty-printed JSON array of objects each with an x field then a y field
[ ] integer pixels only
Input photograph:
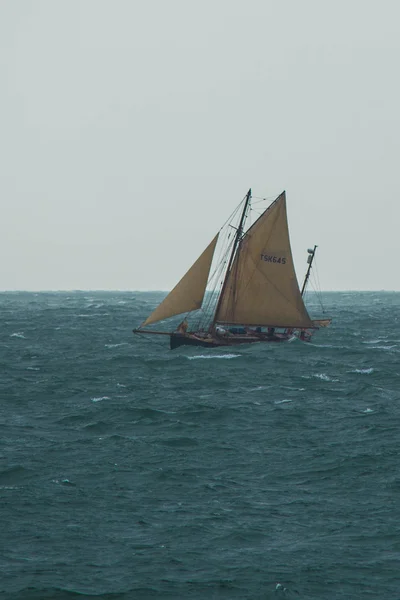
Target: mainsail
[
  {"x": 188, "y": 294},
  {"x": 261, "y": 287}
]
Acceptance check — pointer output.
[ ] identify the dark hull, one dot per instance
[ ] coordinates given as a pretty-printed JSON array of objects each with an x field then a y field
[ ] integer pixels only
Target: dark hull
[{"x": 188, "y": 339}]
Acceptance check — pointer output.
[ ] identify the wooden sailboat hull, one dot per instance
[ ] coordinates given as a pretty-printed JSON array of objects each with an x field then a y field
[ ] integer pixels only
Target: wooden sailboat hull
[{"x": 190, "y": 339}]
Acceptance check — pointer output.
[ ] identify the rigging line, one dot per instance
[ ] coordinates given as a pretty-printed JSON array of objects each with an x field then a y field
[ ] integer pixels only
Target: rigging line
[
  {"x": 206, "y": 309},
  {"x": 225, "y": 249},
  {"x": 149, "y": 340},
  {"x": 234, "y": 253},
  {"x": 219, "y": 264},
  {"x": 316, "y": 286},
  {"x": 316, "y": 291},
  {"x": 257, "y": 212},
  {"x": 221, "y": 271},
  {"x": 266, "y": 199},
  {"x": 222, "y": 261},
  {"x": 232, "y": 215},
  {"x": 265, "y": 212},
  {"x": 312, "y": 281},
  {"x": 217, "y": 270},
  {"x": 216, "y": 279},
  {"x": 317, "y": 274},
  {"x": 319, "y": 293}
]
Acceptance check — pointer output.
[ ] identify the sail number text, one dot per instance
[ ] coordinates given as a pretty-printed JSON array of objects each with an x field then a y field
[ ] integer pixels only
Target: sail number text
[{"x": 273, "y": 259}]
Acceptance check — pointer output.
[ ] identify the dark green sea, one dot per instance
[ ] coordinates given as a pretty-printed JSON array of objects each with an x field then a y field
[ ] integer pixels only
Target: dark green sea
[{"x": 128, "y": 471}]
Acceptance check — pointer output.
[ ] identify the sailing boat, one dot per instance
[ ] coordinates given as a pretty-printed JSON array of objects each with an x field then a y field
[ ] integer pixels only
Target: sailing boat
[{"x": 258, "y": 299}]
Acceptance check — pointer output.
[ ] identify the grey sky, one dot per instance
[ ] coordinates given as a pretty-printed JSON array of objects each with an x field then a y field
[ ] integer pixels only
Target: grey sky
[{"x": 130, "y": 130}]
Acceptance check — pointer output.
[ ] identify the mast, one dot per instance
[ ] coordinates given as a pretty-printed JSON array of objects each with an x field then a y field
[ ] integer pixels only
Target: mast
[
  {"x": 238, "y": 237},
  {"x": 311, "y": 254}
]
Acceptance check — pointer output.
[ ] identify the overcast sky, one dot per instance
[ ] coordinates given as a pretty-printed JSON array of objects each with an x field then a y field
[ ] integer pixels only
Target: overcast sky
[{"x": 131, "y": 129}]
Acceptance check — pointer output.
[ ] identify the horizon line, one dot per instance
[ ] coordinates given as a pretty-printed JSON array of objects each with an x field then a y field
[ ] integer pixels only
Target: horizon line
[{"x": 128, "y": 290}]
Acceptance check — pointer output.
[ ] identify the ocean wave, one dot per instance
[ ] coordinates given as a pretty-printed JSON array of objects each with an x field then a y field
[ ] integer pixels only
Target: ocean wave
[
  {"x": 74, "y": 421},
  {"x": 213, "y": 356},
  {"x": 18, "y": 334},
  {"x": 98, "y": 427},
  {"x": 322, "y": 376},
  {"x": 91, "y": 316},
  {"x": 180, "y": 442},
  {"x": 65, "y": 482},
  {"x": 147, "y": 415},
  {"x": 384, "y": 348},
  {"x": 362, "y": 371},
  {"x": 98, "y": 305},
  {"x": 116, "y": 345},
  {"x": 51, "y": 593},
  {"x": 259, "y": 388},
  {"x": 15, "y": 474},
  {"x": 100, "y": 398},
  {"x": 58, "y": 593},
  {"x": 328, "y": 346}
]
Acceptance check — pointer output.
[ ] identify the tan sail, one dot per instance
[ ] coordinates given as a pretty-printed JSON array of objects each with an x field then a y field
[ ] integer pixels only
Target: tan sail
[
  {"x": 188, "y": 294},
  {"x": 262, "y": 288}
]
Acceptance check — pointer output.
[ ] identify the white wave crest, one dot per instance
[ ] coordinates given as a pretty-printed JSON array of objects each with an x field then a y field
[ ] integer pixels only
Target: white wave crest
[
  {"x": 19, "y": 334},
  {"x": 327, "y": 346},
  {"x": 115, "y": 345},
  {"x": 383, "y": 347},
  {"x": 206, "y": 356},
  {"x": 324, "y": 377},
  {"x": 82, "y": 316},
  {"x": 258, "y": 388},
  {"x": 362, "y": 371},
  {"x": 100, "y": 398}
]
